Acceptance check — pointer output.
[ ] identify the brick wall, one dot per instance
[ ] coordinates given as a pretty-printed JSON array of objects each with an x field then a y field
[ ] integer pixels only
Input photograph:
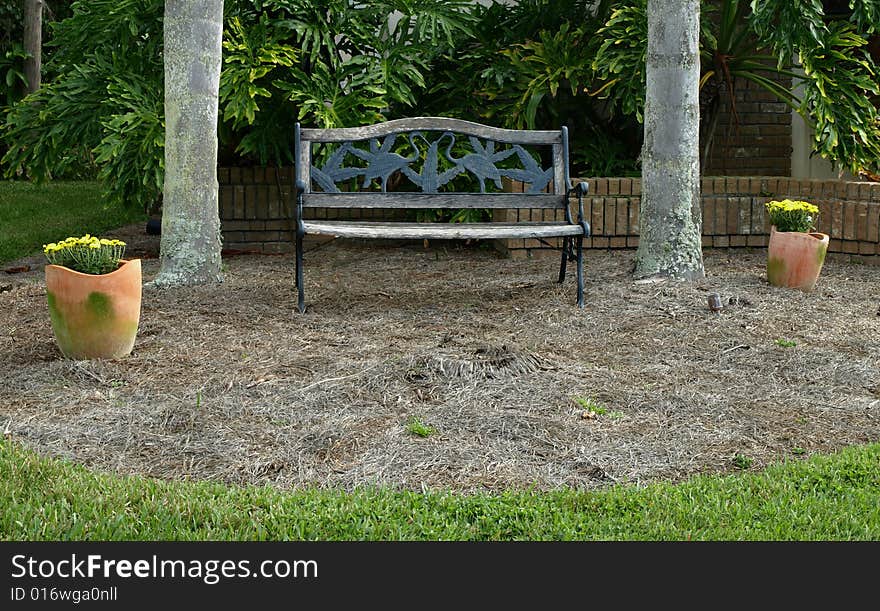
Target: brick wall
[
  {"x": 759, "y": 141},
  {"x": 732, "y": 209},
  {"x": 256, "y": 209},
  {"x": 256, "y": 216}
]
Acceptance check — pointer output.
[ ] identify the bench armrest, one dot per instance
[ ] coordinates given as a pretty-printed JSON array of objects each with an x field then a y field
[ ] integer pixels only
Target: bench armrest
[{"x": 581, "y": 189}]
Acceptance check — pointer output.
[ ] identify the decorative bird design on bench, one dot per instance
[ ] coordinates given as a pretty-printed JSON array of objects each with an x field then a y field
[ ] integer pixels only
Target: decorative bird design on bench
[
  {"x": 531, "y": 173},
  {"x": 429, "y": 180},
  {"x": 481, "y": 163},
  {"x": 333, "y": 172},
  {"x": 382, "y": 163}
]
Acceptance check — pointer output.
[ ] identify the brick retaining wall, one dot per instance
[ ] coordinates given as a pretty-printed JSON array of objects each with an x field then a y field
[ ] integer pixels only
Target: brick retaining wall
[{"x": 255, "y": 212}]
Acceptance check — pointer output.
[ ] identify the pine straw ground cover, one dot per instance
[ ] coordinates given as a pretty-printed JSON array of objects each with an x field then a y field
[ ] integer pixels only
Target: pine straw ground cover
[{"x": 452, "y": 368}]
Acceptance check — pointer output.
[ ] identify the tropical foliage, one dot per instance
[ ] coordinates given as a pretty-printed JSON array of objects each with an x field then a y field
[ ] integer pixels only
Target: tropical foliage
[
  {"x": 325, "y": 62},
  {"x": 779, "y": 45},
  {"x": 538, "y": 63}
]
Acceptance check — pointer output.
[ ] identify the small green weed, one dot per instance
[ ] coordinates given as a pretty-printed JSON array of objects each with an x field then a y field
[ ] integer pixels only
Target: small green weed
[
  {"x": 785, "y": 343},
  {"x": 742, "y": 462},
  {"x": 419, "y": 428},
  {"x": 591, "y": 406}
]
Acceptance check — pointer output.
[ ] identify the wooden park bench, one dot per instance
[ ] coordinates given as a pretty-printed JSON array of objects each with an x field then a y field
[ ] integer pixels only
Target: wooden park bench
[{"x": 352, "y": 168}]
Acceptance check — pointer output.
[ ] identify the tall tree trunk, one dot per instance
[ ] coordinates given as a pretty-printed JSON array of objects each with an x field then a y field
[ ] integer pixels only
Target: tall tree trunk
[
  {"x": 33, "y": 42},
  {"x": 190, "y": 243},
  {"x": 670, "y": 224}
]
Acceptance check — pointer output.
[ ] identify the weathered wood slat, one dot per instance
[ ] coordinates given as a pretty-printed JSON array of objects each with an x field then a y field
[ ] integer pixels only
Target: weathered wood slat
[
  {"x": 510, "y": 136},
  {"x": 439, "y": 231},
  {"x": 432, "y": 200}
]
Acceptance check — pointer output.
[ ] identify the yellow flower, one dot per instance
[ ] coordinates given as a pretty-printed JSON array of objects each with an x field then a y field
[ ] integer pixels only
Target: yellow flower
[{"x": 95, "y": 245}]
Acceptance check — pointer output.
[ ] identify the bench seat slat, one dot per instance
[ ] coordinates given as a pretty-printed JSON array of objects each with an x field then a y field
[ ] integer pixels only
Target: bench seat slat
[
  {"x": 408, "y": 200},
  {"x": 440, "y": 231}
]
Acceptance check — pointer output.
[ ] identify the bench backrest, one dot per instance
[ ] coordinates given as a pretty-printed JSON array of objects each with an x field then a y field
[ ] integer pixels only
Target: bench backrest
[{"x": 430, "y": 153}]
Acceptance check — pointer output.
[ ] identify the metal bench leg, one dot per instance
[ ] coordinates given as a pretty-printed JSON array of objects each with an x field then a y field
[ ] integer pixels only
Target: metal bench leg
[
  {"x": 566, "y": 253},
  {"x": 301, "y": 297},
  {"x": 580, "y": 271}
]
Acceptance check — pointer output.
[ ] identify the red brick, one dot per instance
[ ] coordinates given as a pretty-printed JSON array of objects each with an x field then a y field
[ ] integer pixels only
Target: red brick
[
  {"x": 601, "y": 187},
  {"x": 235, "y": 176},
  {"x": 718, "y": 186},
  {"x": 238, "y": 201},
  {"x": 849, "y": 221},
  {"x": 626, "y": 185},
  {"x": 706, "y": 241},
  {"x": 721, "y": 241},
  {"x": 232, "y": 236},
  {"x": 632, "y": 241},
  {"x": 873, "y": 223},
  {"x": 621, "y": 220},
  {"x": 865, "y": 192},
  {"x": 613, "y": 186},
  {"x": 835, "y": 245},
  {"x": 825, "y": 216},
  {"x": 598, "y": 216},
  {"x": 610, "y": 216},
  {"x": 744, "y": 206},
  {"x": 755, "y": 186},
  {"x": 637, "y": 186},
  {"x": 737, "y": 240},
  {"x": 600, "y": 242},
  {"x": 867, "y": 248},
  {"x": 756, "y": 240},
  {"x": 720, "y": 205},
  {"x": 618, "y": 242},
  {"x": 633, "y": 212},
  {"x": 837, "y": 220},
  {"x": 251, "y": 201},
  {"x": 861, "y": 214},
  {"x": 852, "y": 190},
  {"x": 850, "y": 246}
]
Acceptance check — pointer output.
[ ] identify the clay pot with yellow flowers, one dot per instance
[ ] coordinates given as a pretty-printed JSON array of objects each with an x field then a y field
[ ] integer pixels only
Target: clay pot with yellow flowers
[
  {"x": 796, "y": 251},
  {"x": 94, "y": 297}
]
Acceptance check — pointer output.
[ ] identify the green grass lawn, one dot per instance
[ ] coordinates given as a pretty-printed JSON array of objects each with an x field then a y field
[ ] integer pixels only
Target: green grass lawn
[
  {"x": 830, "y": 497},
  {"x": 32, "y": 215}
]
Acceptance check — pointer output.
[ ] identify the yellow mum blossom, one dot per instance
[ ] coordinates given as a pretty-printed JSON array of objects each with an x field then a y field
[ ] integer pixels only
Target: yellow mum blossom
[{"x": 88, "y": 254}]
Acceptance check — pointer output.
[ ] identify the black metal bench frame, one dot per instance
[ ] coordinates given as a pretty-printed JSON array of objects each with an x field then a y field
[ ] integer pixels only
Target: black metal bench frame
[{"x": 371, "y": 149}]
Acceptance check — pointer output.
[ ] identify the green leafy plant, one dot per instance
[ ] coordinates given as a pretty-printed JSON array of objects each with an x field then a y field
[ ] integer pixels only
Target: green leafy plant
[
  {"x": 591, "y": 406},
  {"x": 418, "y": 428},
  {"x": 792, "y": 215},
  {"x": 741, "y": 461},
  {"x": 330, "y": 63},
  {"x": 781, "y": 46},
  {"x": 87, "y": 254},
  {"x": 785, "y": 343}
]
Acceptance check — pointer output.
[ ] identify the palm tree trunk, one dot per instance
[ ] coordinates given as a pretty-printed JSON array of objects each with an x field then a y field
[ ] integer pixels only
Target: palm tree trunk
[
  {"x": 670, "y": 242},
  {"x": 33, "y": 42},
  {"x": 190, "y": 244}
]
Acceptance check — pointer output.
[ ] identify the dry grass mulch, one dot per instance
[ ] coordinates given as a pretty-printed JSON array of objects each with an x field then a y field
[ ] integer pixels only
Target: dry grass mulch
[{"x": 515, "y": 386}]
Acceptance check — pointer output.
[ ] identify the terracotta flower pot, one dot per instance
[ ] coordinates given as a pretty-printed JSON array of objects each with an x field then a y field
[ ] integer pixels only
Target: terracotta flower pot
[
  {"x": 794, "y": 258},
  {"x": 95, "y": 316}
]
